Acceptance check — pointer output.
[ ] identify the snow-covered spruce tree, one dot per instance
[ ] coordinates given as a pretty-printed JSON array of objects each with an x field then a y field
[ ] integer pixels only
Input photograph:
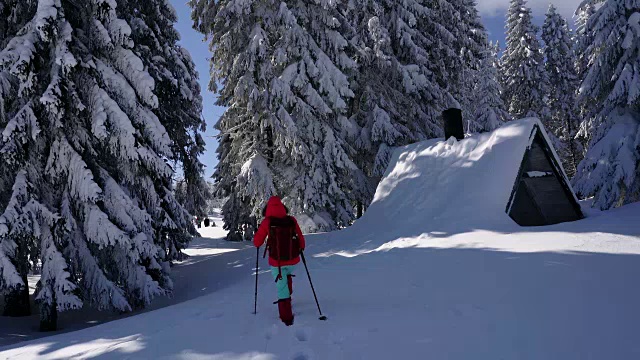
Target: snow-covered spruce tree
[
  {"x": 490, "y": 112},
  {"x": 442, "y": 28},
  {"x": 474, "y": 48},
  {"x": 524, "y": 83},
  {"x": 179, "y": 99},
  {"x": 610, "y": 171},
  {"x": 90, "y": 161},
  {"x": 582, "y": 42},
  {"x": 326, "y": 201},
  {"x": 455, "y": 42},
  {"x": 196, "y": 204},
  {"x": 583, "y": 38},
  {"x": 17, "y": 241},
  {"x": 242, "y": 61},
  {"x": 282, "y": 65},
  {"x": 563, "y": 84},
  {"x": 395, "y": 102}
]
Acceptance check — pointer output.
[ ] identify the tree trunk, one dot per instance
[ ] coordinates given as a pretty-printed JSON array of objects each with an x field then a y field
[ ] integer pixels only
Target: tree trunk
[
  {"x": 48, "y": 316},
  {"x": 269, "y": 150},
  {"x": 17, "y": 301}
]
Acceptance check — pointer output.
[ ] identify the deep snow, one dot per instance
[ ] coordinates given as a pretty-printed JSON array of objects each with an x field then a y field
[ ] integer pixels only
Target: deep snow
[{"x": 434, "y": 270}]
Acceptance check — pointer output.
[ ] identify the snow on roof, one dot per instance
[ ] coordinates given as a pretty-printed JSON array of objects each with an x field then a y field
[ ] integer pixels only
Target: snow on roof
[{"x": 438, "y": 185}]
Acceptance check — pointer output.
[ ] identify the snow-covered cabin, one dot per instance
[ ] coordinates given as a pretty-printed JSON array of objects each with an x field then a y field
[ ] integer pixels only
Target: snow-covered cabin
[{"x": 504, "y": 179}]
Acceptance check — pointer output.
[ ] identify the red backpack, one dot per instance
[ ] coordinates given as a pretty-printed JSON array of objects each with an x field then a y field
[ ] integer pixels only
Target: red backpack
[{"x": 283, "y": 243}]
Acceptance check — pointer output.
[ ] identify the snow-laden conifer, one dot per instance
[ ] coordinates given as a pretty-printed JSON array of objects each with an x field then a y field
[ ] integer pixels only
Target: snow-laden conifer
[
  {"x": 490, "y": 112},
  {"x": 610, "y": 170},
  {"x": 85, "y": 149},
  {"x": 283, "y": 68},
  {"x": 524, "y": 83},
  {"x": 563, "y": 85}
]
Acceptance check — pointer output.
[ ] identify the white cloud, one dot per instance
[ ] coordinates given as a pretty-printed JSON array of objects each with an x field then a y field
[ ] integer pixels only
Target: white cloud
[{"x": 539, "y": 7}]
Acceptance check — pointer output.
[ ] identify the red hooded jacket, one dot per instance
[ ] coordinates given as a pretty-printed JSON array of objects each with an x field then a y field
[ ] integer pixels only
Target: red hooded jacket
[{"x": 275, "y": 208}]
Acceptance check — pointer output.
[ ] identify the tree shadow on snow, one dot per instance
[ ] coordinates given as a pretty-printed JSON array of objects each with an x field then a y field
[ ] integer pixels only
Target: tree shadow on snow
[
  {"x": 405, "y": 303},
  {"x": 198, "y": 276}
]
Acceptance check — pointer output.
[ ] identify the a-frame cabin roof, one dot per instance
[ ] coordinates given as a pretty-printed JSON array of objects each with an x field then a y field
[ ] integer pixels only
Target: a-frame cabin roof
[{"x": 542, "y": 194}]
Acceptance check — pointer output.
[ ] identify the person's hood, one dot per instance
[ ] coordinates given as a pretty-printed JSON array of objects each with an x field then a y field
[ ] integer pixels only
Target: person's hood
[{"x": 275, "y": 208}]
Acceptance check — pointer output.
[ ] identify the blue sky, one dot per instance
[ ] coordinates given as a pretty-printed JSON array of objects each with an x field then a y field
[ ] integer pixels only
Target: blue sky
[{"x": 492, "y": 11}]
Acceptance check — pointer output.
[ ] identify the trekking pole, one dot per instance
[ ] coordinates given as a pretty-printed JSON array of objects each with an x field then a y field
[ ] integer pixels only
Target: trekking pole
[
  {"x": 304, "y": 261},
  {"x": 255, "y": 304}
]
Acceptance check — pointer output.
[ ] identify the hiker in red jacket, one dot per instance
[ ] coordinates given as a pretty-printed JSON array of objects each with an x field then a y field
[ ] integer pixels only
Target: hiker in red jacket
[{"x": 285, "y": 242}]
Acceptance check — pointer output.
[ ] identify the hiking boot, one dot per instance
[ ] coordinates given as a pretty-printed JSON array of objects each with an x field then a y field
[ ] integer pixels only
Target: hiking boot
[{"x": 286, "y": 314}]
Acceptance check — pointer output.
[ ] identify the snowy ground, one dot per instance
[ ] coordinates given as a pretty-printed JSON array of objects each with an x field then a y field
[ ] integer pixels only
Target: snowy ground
[
  {"x": 408, "y": 280},
  {"x": 555, "y": 294}
]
